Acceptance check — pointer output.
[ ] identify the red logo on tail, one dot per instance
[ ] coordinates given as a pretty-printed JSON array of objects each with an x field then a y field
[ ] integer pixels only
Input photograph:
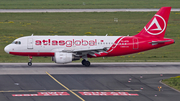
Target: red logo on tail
[{"x": 156, "y": 26}]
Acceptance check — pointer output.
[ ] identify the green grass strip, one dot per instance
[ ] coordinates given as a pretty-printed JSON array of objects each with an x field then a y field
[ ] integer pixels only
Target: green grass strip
[
  {"x": 173, "y": 82},
  {"x": 88, "y": 4}
]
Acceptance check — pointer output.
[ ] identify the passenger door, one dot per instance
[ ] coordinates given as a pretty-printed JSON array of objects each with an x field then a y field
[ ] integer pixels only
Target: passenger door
[{"x": 30, "y": 43}]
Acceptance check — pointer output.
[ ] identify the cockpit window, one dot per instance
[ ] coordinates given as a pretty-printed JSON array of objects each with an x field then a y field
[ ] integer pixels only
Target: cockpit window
[{"x": 16, "y": 42}]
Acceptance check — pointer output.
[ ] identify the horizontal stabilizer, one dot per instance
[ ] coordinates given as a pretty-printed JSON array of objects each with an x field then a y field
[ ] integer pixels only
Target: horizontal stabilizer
[{"x": 157, "y": 42}]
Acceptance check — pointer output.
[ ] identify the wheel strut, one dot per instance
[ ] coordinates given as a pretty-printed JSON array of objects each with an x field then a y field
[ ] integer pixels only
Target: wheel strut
[{"x": 30, "y": 61}]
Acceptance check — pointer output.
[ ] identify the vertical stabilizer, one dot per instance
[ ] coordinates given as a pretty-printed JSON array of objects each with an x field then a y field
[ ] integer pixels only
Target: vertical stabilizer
[{"x": 156, "y": 27}]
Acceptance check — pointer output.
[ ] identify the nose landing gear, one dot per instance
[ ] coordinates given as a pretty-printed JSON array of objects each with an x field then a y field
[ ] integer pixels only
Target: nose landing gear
[{"x": 30, "y": 61}]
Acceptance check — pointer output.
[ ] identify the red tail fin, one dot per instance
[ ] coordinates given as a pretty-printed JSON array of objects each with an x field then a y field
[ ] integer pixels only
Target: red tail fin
[{"x": 156, "y": 27}]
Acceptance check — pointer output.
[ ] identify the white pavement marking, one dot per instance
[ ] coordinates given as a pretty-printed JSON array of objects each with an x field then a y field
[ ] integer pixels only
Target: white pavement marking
[
  {"x": 96, "y": 68},
  {"x": 43, "y": 94},
  {"x": 77, "y": 10},
  {"x": 107, "y": 94}
]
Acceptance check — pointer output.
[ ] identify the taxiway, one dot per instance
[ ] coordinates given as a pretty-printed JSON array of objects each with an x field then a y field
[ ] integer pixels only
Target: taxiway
[
  {"x": 100, "y": 82},
  {"x": 95, "y": 68}
]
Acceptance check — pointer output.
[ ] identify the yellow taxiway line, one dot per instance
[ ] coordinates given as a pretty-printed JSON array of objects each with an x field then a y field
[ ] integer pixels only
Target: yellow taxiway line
[{"x": 65, "y": 87}]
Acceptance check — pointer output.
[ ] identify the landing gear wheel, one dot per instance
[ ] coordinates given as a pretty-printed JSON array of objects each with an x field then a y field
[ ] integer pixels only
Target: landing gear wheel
[
  {"x": 29, "y": 63},
  {"x": 86, "y": 63},
  {"x": 83, "y": 61}
]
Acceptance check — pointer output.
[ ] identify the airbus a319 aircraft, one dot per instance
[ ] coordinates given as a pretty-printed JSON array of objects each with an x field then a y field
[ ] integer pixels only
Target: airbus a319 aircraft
[{"x": 65, "y": 49}]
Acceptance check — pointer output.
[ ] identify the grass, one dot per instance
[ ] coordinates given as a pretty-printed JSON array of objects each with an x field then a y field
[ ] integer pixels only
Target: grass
[
  {"x": 14, "y": 25},
  {"x": 173, "y": 82},
  {"x": 81, "y": 4}
]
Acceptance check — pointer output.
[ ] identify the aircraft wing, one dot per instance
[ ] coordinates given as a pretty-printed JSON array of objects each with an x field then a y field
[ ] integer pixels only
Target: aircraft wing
[{"x": 88, "y": 50}]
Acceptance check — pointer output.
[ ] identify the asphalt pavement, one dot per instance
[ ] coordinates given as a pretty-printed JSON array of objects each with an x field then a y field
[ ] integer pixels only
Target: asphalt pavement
[
  {"x": 109, "y": 87},
  {"x": 131, "y": 81},
  {"x": 95, "y": 68}
]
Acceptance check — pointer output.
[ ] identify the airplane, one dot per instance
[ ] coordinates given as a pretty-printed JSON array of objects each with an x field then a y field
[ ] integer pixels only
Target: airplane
[{"x": 65, "y": 49}]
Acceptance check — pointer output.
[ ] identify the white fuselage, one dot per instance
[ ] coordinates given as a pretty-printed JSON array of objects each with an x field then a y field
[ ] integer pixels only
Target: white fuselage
[{"x": 58, "y": 43}]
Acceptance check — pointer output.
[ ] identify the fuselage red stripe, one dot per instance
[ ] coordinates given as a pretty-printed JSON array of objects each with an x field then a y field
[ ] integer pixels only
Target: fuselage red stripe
[{"x": 33, "y": 53}]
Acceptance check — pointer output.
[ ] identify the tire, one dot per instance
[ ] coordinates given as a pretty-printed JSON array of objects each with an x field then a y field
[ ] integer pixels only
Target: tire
[
  {"x": 87, "y": 63},
  {"x": 29, "y": 63},
  {"x": 83, "y": 61}
]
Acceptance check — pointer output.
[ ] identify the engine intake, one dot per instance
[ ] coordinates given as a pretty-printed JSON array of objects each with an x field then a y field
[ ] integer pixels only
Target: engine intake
[{"x": 62, "y": 57}]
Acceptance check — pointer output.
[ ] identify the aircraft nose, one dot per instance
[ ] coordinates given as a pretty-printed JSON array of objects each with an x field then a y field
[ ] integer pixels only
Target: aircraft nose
[{"x": 7, "y": 49}]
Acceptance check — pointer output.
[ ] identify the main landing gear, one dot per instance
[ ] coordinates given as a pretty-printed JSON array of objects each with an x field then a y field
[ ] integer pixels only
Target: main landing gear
[
  {"x": 30, "y": 61},
  {"x": 86, "y": 63}
]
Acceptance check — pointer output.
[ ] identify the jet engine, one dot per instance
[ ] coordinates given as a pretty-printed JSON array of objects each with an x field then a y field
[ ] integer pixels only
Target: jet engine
[{"x": 63, "y": 57}]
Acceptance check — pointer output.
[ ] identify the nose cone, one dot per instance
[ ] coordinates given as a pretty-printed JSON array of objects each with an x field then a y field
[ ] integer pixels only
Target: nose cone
[{"x": 7, "y": 49}]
